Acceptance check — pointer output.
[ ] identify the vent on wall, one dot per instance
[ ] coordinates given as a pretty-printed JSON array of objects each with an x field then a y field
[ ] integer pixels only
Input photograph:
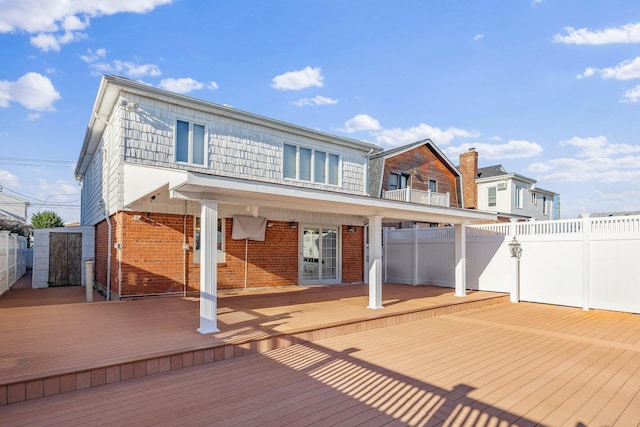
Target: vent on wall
[{"x": 502, "y": 186}]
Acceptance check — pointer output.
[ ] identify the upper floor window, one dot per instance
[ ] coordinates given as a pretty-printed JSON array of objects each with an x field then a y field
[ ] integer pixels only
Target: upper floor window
[
  {"x": 492, "y": 196},
  {"x": 398, "y": 181},
  {"x": 306, "y": 164},
  {"x": 544, "y": 205},
  {"x": 190, "y": 145},
  {"x": 534, "y": 199},
  {"x": 519, "y": 191},
  {"x": 433, "y": 185}
]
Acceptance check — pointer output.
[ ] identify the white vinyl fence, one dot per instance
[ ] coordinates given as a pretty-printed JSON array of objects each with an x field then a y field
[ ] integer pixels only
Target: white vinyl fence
[
  {"x": 587, "y": 262},
  {"x": 13, "y": 264}
]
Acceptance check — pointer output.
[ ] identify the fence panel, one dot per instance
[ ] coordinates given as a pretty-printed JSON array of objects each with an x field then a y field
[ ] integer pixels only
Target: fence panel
[{"x": 589, "y": 262}]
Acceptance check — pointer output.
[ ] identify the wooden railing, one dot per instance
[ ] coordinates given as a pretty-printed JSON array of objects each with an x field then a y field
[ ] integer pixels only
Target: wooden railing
[{"x": 418, "y": 196}]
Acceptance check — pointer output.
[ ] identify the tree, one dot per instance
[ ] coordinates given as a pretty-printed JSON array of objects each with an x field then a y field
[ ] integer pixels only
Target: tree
[{"x": 46, "y": 219}]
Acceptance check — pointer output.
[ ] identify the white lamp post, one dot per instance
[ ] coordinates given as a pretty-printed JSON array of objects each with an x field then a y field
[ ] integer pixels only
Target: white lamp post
[{"x": 516, "y": 252}]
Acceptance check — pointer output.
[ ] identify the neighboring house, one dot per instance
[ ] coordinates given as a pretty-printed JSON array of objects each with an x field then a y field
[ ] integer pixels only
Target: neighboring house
[
  {"x": 188, "y": 196},
  {"x": 417, "y": 173},
  {"x": 13, "y": 208},
  {"x": 510, "y": 195}
]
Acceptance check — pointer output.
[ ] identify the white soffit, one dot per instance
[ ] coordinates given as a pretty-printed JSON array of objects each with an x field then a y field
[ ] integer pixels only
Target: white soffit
[{"x": 243, "y": 192}]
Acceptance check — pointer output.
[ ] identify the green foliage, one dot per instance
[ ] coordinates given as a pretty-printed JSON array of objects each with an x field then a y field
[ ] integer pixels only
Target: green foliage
[{"x": 46, "y": 219}]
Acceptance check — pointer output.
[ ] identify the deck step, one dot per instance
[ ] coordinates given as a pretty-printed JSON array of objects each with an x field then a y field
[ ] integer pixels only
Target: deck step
[{"x": 84, "y": 379}]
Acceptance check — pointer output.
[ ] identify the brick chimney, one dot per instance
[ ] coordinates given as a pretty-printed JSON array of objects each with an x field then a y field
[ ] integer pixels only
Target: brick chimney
[{"x": 469, "y": 170}]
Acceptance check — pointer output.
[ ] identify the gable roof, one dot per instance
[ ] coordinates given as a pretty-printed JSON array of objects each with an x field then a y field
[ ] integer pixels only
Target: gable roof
[
  {"x": 377, "y": 160},
  {"x": 490, "y": 171}
]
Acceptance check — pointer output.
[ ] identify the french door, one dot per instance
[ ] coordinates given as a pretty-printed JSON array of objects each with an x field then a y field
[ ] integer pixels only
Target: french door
[{"x": 320, "y": 255}]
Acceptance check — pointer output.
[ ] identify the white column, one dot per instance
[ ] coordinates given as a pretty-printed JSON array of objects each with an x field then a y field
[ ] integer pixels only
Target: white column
[
  {"x": 208, "y": 266},
  {"x": 375, "y": 262},
  {"x": 460, "y": 260},
  {"x": 414, "y": 240},
  {"x": 586, "y": 260}
]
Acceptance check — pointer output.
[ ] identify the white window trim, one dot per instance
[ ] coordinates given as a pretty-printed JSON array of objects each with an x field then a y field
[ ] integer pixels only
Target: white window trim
[
  {"x": 489, "y": 197},
  {"x": 190, "y": 142},
  {"x": 312, "y": 166}
]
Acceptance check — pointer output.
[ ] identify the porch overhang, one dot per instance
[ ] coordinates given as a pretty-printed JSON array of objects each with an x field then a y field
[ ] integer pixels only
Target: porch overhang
[{"x": 235, "y": 191}]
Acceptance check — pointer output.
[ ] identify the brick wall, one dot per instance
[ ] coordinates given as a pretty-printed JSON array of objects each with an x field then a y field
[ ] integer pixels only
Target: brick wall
[
  {"x": 352, "y": 255},
  {"x": 469, "y": 170},
  {"x": 428, "y": 166},
  {"x": 153, "y": 261},
  {"x": 273, "y": 262}
]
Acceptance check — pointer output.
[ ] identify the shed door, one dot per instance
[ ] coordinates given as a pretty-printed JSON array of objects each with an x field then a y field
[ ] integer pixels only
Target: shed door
[{"x": 65, "y": 259}]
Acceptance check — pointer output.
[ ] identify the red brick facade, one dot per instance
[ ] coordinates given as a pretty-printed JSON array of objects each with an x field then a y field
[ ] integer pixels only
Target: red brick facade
[
  {"x": 469, "y": 169},
  {"x": 151, "y": 259},
  {"x": 422, "y": 164}
]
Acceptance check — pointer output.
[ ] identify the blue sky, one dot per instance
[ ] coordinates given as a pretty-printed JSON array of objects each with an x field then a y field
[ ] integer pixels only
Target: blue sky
[{"x": 548, "y": 88}]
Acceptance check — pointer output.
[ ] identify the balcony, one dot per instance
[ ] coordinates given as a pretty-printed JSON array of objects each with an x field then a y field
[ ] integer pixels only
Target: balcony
[{"x": 430, "y": 198}]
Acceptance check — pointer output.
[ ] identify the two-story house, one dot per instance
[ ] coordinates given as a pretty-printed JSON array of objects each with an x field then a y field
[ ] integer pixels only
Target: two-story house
[
  {"x": 189, "y": 196},
  {"x": 13, "y": 208},
  {"x": 510, "y": 195}
]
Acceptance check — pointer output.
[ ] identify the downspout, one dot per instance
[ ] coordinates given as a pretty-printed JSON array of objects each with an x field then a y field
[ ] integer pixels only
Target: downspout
[
  {"x": 109, "y": 240},
  {"x": 185, "y": 248}
]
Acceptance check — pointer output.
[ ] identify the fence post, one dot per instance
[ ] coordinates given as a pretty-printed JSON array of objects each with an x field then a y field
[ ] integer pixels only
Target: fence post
[
  {"x": 88, "y": 278},
  {"x": 586, "y": 261},
  {"x": 460, "y": 257},
  {"x": 4, "y": 236},
  {"x": 414, "y": 272},
  {"x": 515, "y": 286}
]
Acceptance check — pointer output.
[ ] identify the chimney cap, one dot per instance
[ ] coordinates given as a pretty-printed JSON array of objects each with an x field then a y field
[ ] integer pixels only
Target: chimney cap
[{"x": 472, "y": 149}]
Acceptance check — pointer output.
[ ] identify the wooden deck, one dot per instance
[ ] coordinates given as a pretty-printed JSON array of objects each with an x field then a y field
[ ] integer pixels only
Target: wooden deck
[{"x": 435, "y": 362}]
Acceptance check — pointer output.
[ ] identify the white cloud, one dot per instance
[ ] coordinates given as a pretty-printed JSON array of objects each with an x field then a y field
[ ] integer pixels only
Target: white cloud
[
  {"x": 185, "y": 85},
  {"x": 629, "y": 33},
  {"x": 33, "y": 91},
  {"x": 596, "y": 160},
  {"x": 91, "y": 56},
  {"x": 396, "y": 136},
  {"x": 296, "y": 80},
  {"x": 478, "y": 37},
  {"x": 128, "y": 68},
  {"x": 33, "y": 116},
  {"x": 626, "y": 70},
  {"x": 599, "y": 146},
  {"x": 632, "y": 95},
  {"x": 36, "y": 16},
  {"x": 317, "y": 100},
  {"x": 57, "y": 23},
  {"x": 514, "y": 149},
  {"x": 360, "y": 122}
]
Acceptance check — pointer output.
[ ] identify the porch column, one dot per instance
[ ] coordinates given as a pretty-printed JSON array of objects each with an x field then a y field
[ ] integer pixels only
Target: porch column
[
  {"x": 460, "y": 260},
  {"x": 208, "y": 266},
  {"x": 375, "y": 262}
]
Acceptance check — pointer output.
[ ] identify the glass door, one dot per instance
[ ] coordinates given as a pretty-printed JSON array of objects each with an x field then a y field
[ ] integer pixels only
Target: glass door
[{"x": 319, "y": 255}]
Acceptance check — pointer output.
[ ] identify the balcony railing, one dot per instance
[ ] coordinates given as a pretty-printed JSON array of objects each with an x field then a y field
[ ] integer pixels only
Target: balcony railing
[{"x": 418, "y": 196}]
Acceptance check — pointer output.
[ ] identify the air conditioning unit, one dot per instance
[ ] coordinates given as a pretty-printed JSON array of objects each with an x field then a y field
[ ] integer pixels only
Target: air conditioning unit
[{"x": 502, "y": 186}]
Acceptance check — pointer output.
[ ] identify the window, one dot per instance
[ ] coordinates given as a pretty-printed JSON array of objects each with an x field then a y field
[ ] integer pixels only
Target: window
[
  {"x": 492, "y": 196},
  {"x": 196, "y": 238},
  {"x": 305, "y": 164},
  {"x": 519, "y": 197},
  {"x": 544, "y": 205},
  {"x": 190, "y": 145},
  {"x": 398, "y": 181},
  {"x": 433, "y": 185},
  {"x": 534, "y": 199}
]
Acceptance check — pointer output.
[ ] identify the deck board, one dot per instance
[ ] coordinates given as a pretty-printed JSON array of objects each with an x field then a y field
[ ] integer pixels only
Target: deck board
[{"x": 523, "y": 364}]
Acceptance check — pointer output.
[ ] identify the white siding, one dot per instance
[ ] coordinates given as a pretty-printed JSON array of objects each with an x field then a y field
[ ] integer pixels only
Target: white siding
[
  {"x": 41, "y": 251},
  {"x": 506, "y": 199},
  {"x": 236, "y": 148}
]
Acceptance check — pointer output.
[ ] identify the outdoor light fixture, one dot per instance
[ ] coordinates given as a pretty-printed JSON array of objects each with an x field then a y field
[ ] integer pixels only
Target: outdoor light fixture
[
  {"x": 515, "y": 248},
  {"x": 351, "y": 229},
  {"x": 129, "y": 106},
  {"x": 293, "y": 225}
]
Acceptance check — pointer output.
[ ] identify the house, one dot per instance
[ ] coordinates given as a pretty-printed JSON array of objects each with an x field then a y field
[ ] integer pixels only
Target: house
[
  {"x": 187, "y": 196},
  {"x": 13, "y": 208},
  {"x": 419, "y": 173},
  {"x": 510, "y": 195}
]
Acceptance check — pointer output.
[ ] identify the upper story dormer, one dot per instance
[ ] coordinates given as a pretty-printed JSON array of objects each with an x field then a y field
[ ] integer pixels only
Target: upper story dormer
[{"x": 418, "y": 173}]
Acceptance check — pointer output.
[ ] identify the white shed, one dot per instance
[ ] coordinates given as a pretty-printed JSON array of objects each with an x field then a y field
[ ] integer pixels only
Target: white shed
[{"x": 58, "y": 255}]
